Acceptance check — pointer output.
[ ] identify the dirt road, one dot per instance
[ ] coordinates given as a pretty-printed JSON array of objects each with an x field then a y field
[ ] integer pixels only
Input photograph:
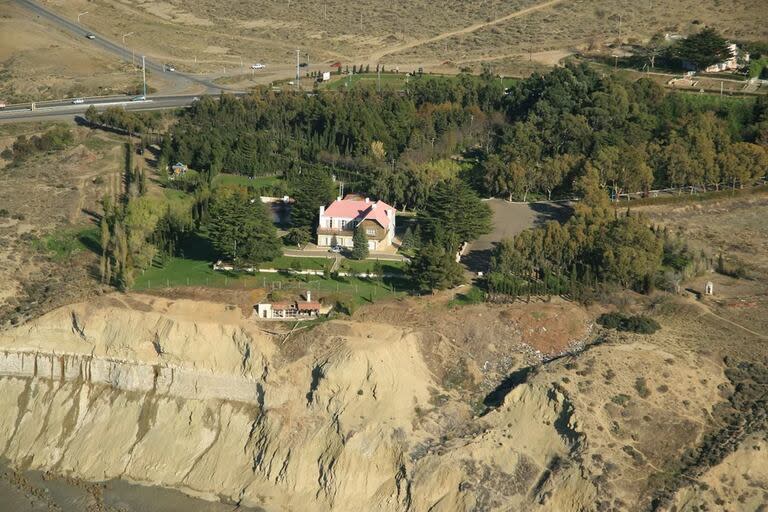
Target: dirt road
[{"x": 377, "y": 56}]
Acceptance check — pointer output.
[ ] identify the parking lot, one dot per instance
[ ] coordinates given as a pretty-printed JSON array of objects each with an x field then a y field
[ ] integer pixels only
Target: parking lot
[{"x": 509, "y": 219}]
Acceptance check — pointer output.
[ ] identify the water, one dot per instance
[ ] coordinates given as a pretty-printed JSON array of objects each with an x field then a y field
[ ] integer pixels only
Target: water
[{"x": 34, "y": 491}]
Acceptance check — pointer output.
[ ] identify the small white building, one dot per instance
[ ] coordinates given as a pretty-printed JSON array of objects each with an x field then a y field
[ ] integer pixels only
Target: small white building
[
  {"x": 730, "y": 64},
  {"x": 289, "y": 310}
]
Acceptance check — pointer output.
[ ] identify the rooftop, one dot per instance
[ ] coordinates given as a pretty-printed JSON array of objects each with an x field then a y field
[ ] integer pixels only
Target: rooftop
[{"x": 352, "y": 207}]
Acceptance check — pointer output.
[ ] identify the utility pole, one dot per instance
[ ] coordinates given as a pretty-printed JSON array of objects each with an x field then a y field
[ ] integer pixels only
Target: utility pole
[
  {"x": 298, "y": 77},
  {"x": 619, "y": 28},
  {"x": 81, "y": 14},
  {"x": 144, "y": 76}
]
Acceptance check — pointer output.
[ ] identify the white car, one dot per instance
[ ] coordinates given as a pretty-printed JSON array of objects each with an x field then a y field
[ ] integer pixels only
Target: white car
[
  {"x": 258, "y": 66},
  {"x": 90, "y": 36},
  {"x": 336, "y": 249},
  {"x": 139, "y": 98},
  {"x": 78, "y": 101}
]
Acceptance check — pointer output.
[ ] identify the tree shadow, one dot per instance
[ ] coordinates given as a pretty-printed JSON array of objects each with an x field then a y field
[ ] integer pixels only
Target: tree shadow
[
  {"x": 546, "y": 212},
  {"x": 197, "y": 247},
  {"x": 90, "y": 242},
  {"x": 478, "y": 260}
]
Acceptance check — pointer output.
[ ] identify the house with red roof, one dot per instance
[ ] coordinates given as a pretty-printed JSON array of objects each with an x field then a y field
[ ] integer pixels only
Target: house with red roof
[{"x": 339, "y": 220}]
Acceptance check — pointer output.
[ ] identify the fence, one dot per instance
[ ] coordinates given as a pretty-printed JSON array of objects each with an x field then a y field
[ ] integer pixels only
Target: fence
[
  {"x": 356, "y": 287},
  {"x": 692, "y": 189}
]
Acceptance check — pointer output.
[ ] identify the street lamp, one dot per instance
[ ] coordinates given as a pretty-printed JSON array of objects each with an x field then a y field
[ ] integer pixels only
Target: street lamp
[
  {"x": 81, "y": 14},
  {"x": 124, "y": 36}
]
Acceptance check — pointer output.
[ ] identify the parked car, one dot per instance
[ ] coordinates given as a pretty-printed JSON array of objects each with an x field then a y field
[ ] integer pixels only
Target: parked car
[
  {"x": 90, "y": 36},
  {"x": 258, "y": 66},
  {"x": 78, "y": 101},
  {"x": 336, "y": 249},
  {"x": 170, "y": 67}
]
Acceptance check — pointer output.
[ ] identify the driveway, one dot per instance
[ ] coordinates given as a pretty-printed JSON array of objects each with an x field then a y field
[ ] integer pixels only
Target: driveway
[
  {"x": 509, "y": 219},
  {"x": 313, "y": 251}
]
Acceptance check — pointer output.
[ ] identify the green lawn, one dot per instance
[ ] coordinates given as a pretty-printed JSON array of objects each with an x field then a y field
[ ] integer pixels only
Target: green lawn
[
  {"x": 388, "y": 80},
  {"x": 188, "y": 272},
  {"x": 288, "y": 262},
  {"x": 367, "y": 266},
  {"x": 64, "y": 244},
  {"x": 237, "y": 179}
]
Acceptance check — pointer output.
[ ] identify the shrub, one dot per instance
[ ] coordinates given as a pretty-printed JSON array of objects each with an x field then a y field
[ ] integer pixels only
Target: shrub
[
  {"x": 637, "y": 323},
  {"x": 642, "y": 388}
]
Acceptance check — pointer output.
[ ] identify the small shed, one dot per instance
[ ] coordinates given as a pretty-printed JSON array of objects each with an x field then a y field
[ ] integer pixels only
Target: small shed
[{"x": 178, "y": 169}]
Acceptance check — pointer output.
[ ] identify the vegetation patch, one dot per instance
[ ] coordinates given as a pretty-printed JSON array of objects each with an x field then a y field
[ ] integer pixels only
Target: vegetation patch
[
  {"x": 636, "y": 323},
  {"x": 63, "y": 245}
]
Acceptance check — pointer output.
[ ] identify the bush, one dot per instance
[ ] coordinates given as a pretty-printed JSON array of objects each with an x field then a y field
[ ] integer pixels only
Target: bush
[{"x": 637, "y": 323}]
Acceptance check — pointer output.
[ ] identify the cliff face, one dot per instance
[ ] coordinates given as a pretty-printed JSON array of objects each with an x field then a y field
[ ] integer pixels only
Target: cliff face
[{"x": 152, "y": 393}]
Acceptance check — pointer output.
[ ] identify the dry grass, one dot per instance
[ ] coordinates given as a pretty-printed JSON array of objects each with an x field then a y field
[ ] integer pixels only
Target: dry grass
[
  {"x": 38, "y": 62},
  {"x": 51, "y": 196},
  {"x": 205, "y": 35}
]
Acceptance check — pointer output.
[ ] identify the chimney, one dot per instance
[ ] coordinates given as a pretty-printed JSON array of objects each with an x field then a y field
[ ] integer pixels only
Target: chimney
[
  {"x": 367, "y": 200},
  {"x": 322, "y": 210},
  {"x": 309, "y": 296},
  {"x": 338, "y": 198}
]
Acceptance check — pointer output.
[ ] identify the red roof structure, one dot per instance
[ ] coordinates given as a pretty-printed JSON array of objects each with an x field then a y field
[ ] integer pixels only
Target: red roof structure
[
  {"x": 361, "y": 209},
  {"x": 308, "y": 306}
]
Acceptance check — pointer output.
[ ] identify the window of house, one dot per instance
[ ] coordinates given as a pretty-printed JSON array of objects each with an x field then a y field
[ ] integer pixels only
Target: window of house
[
  {"x": 343, "y": 224},
  {"x": 370, "y": 232}
]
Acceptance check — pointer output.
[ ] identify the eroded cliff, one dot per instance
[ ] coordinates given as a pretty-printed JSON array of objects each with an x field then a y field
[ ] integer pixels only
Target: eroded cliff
[{"x": 192, "y": 396}]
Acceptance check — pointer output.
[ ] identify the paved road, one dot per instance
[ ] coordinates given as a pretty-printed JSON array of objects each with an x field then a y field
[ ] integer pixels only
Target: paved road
[
  {"x": 66, "y": 109},
  {"x": 182, "y": 80},
  {"x": 325, "y": 253}
]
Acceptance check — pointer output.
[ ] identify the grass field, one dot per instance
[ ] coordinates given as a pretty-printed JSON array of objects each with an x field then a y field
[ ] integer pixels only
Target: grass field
[
  {"x": 236, "y": 179},
  {"x": 368, "y": 266},
  {"x": 394, "y": 81},
  {"x": 188, "y": 272},
  {"x": 64, "y": 244}
]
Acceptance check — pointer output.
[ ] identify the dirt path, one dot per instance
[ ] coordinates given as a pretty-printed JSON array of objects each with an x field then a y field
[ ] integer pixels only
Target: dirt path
[
  {"x": 707, "y": 310},
  {"x": 376, "y": 56}
]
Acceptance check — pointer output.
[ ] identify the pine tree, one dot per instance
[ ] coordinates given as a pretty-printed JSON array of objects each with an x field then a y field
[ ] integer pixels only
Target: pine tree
[
  {"x": 434, "y": 268},
  {"x": 241, "y": 229},
  {"x": 360, "y": 244},
  {"x": 312, "y": 188}
]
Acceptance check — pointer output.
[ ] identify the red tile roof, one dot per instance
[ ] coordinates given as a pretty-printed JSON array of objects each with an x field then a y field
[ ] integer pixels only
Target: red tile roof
[
  {"x": 308, "y": 306},
  {"x": 361, "y": 210}
]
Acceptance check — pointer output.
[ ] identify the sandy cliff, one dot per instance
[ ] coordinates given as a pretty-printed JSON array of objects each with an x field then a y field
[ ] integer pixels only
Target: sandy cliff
[{"x": 348, "y": 416}]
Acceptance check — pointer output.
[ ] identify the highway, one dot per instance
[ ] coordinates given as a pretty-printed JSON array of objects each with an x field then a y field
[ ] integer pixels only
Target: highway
[
  {"x": 66, "y": 109},
  {"x": 114, "y": 48}
]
